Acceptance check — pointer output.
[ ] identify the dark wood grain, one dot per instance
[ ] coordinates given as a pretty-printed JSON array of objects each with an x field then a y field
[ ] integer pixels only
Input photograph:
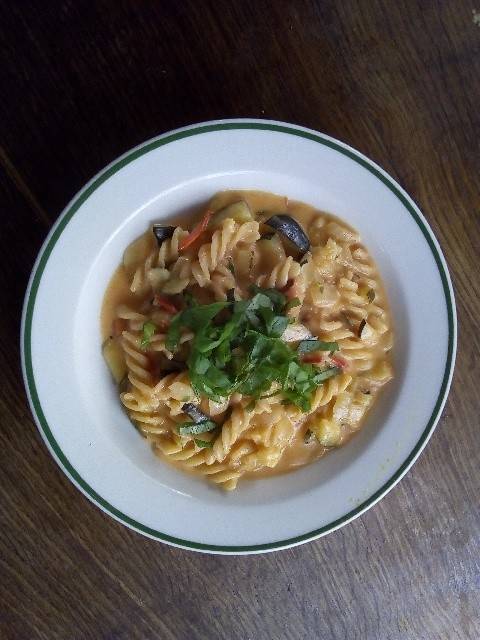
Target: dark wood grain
[{"x": 84, "y": 81}]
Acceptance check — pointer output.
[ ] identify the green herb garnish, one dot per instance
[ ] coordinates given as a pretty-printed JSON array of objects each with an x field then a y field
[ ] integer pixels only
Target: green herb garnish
[
  {"x": 306, "y": 346},
  {"x": 194, "y": 317},
  {"x": 276, "y": 297},
  {"x": 148, "y": 330},
  {"x": 187, "y": 428},
  {"x": 294, "y": 302},
  {"x": 246, "y": 352},
  {"x": 203, "y": 444}
]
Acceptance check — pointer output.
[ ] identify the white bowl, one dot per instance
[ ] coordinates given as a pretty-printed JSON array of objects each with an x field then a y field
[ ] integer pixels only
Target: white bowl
[{"x": 75, "y": 403}]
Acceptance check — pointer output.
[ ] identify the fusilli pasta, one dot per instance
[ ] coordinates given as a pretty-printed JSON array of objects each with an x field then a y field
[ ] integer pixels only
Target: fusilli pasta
[
  {"x": 333, "y": 295},
  {"x": 223, "y": 241}
]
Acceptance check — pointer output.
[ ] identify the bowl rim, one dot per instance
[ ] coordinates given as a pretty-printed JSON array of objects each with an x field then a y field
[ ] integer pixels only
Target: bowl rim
[{"x": 102, "y": 176}]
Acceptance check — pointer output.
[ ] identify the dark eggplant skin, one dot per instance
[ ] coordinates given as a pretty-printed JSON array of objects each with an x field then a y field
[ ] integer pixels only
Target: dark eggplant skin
[
  {"x": 290, "y": 228},
  {"x": 162, "y": 233},
  {"x": 194, "y": 412},
  {"x": 268, "y": 236}
]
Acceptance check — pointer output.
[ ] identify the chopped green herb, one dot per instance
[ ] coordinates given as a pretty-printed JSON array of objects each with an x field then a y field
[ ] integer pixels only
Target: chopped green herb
[
  {"x": 187, "y": 428},
  {"x": 325, "y": 374},
  {"x": 194, "y": 317},
  {"x": 203, "y": 444},
  {"x": 306, "y": 346},
  {"x": 276, "y": 297},
  {"x": 148, "y": 330},
  {"x": 371, "y": 295},
  {"x": 294, "y": 302},
  {"x": 246, "y": 353}
]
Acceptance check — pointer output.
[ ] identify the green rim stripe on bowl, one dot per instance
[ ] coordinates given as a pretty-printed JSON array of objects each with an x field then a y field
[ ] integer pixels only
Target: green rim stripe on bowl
[{"x": 56, "y": 233}]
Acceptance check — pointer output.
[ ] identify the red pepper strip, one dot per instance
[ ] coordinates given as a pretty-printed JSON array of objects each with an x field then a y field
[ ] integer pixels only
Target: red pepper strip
[
  {"x": 313, "y": 357},
  {"x": 196, "y": 231},
  {"x": 165, "y": 304},
  {"x": 339, "y": 361}
]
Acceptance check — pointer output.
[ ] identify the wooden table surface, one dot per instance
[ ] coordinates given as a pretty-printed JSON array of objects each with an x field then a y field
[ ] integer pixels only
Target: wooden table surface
[{"x": 82, "y": 82}]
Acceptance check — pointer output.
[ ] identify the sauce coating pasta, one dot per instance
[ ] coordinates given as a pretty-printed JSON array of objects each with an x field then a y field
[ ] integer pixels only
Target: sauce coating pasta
[{"x": 249, "y": 341}]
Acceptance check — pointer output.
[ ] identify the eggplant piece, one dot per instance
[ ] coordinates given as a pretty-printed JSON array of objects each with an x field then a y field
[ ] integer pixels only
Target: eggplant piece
[
  {"x": 290, "y": 228},
  {"x": 238, "y": 211},
  {"x": 267, "y": 236},
  {"x": 194, "y": 412},
  {"x": 162, "y": 233}
]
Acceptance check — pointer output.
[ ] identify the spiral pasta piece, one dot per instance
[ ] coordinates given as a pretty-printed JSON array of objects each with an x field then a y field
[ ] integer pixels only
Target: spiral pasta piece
[
  {"x": 262, "y": 457},
  {"x": 140, "y": 281},
  {"x": 341, "y": 233},
  {"x": 281, "y": 274},
  {"x": 137, "y": 362},
  {"x": 153, "y": 275},
  {"x": 329, "y": 389},
  {"x": 179, "y": 276},
  {"x": 222, "y": 281},
  {"x": 238, "y": 422},
  {"x": 190, "y": 457},
  {"x": 169, "y": 250},
  {"x": 223, "y": 241},
  {"x": 135, "y": 319}
]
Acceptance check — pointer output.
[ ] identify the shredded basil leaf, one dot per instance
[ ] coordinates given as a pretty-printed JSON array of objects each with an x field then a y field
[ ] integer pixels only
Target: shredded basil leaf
[
  {"x": 195, "y": 317},
  {"x": 246, "y": 352},
  {"x": 306, "y": 346},
  {"x": 276, "y": 297},
  {"x": 187, "y": 428},
  {"x": 291, "y": 304},
  {"x": 324, "y": 374},
  {"x": 148, "y": 331},
  {"x": 203, "y": 444}
]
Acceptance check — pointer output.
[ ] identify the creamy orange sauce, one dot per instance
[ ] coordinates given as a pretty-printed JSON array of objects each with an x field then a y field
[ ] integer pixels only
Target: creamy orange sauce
[
  {"x": 296, "y": 455},
  {"x": 118, "y": 292}
]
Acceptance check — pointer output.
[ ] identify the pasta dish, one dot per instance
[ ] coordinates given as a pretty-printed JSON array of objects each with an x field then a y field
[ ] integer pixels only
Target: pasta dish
[{"x": 249, "y": 341}]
